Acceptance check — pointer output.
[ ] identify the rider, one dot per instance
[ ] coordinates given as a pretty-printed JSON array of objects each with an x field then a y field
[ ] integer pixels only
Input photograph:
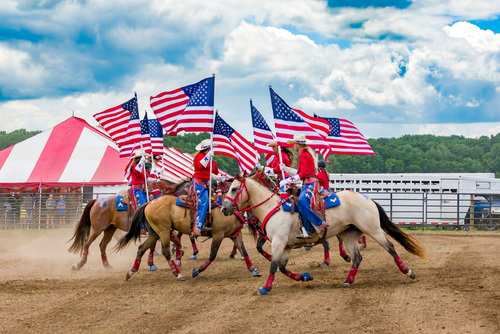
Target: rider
[
  {"x": 287, "y": 158},
  {"x": 307, "y": 173},
  {"x": 137, "y": 182},
  {"x": 323, "y": 175},
  {"x": 200, "y": 178},
  {"x": 155, "y": 176}
]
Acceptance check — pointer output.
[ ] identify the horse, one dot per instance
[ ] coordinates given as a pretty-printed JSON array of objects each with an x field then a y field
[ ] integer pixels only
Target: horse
[
  {"x": 356, "y": 215},
  {"x": 258, "y": 174},
  {"x": 104, "y": 217},
  {"x": 163, "y": 215}
]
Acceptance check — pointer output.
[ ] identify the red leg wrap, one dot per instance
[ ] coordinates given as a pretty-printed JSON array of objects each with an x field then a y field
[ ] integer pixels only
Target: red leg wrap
[
  {"x": 269, "y": 283},
  {"x": 402, "y": 267},
  {"x": 352, "y": 274},
  {"x": 178, "y": 253},
  {"x": 363, "y": 239},
  {"x": 137, "y": 263},
  {"x": 342, "y": 250},
  {"x": 327, "y": 258},
  {"x": 104, "y": 258},
  {"x": 293, "y": 276},
  {"x": 235, "y": 249},
  {"x": 150, "y": 257},
  {"x": 84, "y": 256},
  {"x": 267, "y": 255},
  {"x": 205, "y": 265},
  {"x": 248, "y": 262},
  {"x": 195, "y": 248},
  {"x": 174, "y": 268}
]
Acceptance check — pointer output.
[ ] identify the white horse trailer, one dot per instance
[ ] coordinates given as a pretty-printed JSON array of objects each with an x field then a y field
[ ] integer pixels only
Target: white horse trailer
[{"x": 424, "y": 198}]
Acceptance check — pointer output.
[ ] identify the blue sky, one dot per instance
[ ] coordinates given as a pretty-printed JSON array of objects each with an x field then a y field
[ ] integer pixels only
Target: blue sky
[{"x": 392, "y": 67}]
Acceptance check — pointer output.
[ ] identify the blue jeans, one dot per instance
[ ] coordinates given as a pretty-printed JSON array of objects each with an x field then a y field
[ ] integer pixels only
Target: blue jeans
[
  {"x": 140, "y": 199},
  {"x": 202, "y": 194},
  {"x": 308, "y": 215}
]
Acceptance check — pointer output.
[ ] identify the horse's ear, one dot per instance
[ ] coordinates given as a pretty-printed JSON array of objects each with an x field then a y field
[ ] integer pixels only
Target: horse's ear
[{"x": 244, "y": 174}]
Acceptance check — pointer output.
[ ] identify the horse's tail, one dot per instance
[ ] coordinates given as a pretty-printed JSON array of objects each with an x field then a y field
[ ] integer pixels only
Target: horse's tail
[
  {"x": 410, "y": 243},
  {"x": 82, "y": 230},
  {"x": 135, "y": 228}
]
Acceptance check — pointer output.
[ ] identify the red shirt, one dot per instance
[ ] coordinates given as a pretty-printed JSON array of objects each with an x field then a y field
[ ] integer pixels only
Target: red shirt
[
  {"x": 137, "y": 178},
  {"x": 323, "y": 179},
  {"x": 306, "y": 165},
  {"x": 202, "y": 172},
  {"x": 275, "y": 164}
]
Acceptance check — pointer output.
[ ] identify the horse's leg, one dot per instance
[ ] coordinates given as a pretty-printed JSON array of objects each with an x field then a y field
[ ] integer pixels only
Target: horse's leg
[
  {"x": 176, "y": 241},
  {"x": 108, "y": 234},
  {"x": 234, "y": 251},
  {"x": 350, "y": 237},
  {"x": 362, "y": 242},
  {"x": 165, "y": 250},
  {"x": 147, "y": 244},
  {"x": 214, "y": 248},
  {"x": 297, "y": 277},
  {"x": 260, "y": 242},
  {"x": 238, "y": 244},
  {"x": 326, "y": 254},
  {"x": 342, "y": 251},
  {"x": 195, "y": 248},
  {"x": 92, "y": 236}
]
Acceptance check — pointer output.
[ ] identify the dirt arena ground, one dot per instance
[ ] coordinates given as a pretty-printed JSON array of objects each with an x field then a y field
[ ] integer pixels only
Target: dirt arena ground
[{"x": 457, "y": 290}]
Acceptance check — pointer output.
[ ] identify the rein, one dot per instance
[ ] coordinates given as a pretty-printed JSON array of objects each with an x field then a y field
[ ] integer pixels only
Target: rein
[{"x": 243, "y": 185}]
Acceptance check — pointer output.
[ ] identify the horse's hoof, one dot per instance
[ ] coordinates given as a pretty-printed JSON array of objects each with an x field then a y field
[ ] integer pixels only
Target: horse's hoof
[
  {"x": 231, "y": 256},
  {"x": 242, "y": 258},
  {"x": 177, "y": 263},
  {"x": 262, "y": 291},
  {"x": 196, "y": 272},
  {"x": 74, "y": 268},
  {"x": 362, "y": 246},
  {"x": 306, "y": 277},
  {"x": 129, "y": 274},
  {"x": 153, "y": 267},
  {"x": 347, "y": 284},
  {"x": 307, "y": 248},
  {"x": 180, "y": 277},
  {"x": 182, "y": 252},
  {"x": 156, "y": 253},
  {"x": 411, "y": 274},
  {"x": 256, "y": 273},
  {"x": 108, "y": 267},
  {"x": 193, "y": 257},
  {"x": 324, "y": 265},
  {"x": 347, "y": 258}
]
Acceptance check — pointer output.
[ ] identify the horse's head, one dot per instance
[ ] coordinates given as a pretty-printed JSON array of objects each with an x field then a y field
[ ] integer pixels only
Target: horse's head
[
  {"x": 236, "y": 195},
  {"x": 260, "y": 176}
]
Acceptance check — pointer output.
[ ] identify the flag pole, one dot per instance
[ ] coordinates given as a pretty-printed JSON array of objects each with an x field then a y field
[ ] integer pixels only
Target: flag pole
[
  {"x": 279, "y": 146},
  {"x": 211, "y": 147}
]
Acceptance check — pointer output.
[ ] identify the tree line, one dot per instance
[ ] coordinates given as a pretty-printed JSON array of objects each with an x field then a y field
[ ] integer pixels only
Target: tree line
[{"x": 406, "y": 154}]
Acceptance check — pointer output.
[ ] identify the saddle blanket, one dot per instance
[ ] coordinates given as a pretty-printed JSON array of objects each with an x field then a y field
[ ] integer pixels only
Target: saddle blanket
[
  {"x": 214, "y": 205},
  {"x": 120, "y": 206},
  {"x": 330, "y": 201}
]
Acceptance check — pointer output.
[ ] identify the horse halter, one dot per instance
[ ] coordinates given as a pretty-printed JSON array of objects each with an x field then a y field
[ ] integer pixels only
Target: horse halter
[{"x": 242, "y": 186}]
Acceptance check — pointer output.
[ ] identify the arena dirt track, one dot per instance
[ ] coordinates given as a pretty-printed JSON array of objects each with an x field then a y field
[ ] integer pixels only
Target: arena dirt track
[{"x": 456, "y": 291}]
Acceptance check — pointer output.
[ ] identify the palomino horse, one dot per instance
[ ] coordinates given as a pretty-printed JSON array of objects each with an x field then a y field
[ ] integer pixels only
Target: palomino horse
[
  {"x": 163, "y": 215},
  {"x": 356, "y": 215},
  {"x": 263, "y": 179},
  {"x": 101, "y": 216}
]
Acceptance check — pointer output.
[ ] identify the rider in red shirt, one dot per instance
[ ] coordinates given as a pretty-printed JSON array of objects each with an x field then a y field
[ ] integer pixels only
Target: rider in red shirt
[{"x": 323, "y": 175}]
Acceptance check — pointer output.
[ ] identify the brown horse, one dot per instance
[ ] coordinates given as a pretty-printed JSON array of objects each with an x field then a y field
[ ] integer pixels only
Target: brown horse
[
  {"x": 163, "y": 215},
  {"x": 100, "y": 215}
]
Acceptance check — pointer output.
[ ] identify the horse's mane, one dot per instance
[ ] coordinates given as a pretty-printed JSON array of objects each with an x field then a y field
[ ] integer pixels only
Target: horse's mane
[{"x": 242, "y": 175}]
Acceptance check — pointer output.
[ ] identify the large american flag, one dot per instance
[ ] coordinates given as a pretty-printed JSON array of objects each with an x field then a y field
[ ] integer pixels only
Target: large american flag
[
  {"x": 115, "y": 122},
  {"x": 345, "y": 138},
  {"x": 145, "y": 143},
  {"x": 288, "y": 122},
  {"x": 133, "y": 129},
  {"x": 262, "y": 134},
  {"x": 189, "y": 108},
  {"x": 156, "y": 134},
  {"x": 230, "y": 143}
]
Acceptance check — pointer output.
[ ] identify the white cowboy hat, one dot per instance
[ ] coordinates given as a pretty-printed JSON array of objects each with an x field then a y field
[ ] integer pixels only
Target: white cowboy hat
[
  {"x": 299, "y": 139},
  {"x": 205, "y": 143},
  {"x": 138, "y": 154},
  {"x": 272, "y": 143}
]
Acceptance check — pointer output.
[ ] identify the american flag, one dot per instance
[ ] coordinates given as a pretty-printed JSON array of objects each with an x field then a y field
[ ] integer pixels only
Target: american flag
[
  {"x": 133, "y": 135},
  {"x": 145, "y": 137},
  {"x": 189, "y": 108},
  {"x": 288, "y": 122},
  {"x": 345, "y": 138},
  {"x": 115, "y": 122},
  {"x": 156, "y": 133},
  {"x": 262, "y": 134},
  {"x": 230, "y": 143}
]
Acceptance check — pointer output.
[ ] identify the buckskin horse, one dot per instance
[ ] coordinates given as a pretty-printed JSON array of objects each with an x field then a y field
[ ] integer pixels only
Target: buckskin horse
[
  {"x": 101, "y": 215},
  {"x": 162, "y": 215},
  {"x": 357, "y": 214}
]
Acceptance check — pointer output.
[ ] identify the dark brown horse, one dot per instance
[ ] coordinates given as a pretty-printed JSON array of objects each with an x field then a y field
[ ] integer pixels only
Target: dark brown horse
[
  {"x": 101, "y": 215},
  {"x": 163, "y": 215}
]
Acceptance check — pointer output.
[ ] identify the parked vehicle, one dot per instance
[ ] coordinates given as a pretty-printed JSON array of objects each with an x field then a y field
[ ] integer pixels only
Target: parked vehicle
[{"x": 486, "y": 212}]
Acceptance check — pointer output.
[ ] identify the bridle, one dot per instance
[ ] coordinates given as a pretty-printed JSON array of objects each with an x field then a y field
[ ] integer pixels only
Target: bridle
[{"x": 239, "y": 195}]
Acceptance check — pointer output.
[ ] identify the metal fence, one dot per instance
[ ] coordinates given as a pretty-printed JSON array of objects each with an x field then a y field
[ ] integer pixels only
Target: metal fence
[{"x": 425, "y": 210}]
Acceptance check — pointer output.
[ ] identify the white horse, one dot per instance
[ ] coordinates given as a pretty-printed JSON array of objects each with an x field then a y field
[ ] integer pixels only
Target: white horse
[{"x": 357, "y": 214}]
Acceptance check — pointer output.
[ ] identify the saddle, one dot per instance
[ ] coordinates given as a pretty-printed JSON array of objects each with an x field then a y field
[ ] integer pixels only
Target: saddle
[{"x": 319, "y": 206}]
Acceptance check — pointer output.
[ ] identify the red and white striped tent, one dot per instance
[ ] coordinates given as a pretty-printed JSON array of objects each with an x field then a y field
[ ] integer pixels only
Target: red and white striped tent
[{"x": 74, "y": 154}]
